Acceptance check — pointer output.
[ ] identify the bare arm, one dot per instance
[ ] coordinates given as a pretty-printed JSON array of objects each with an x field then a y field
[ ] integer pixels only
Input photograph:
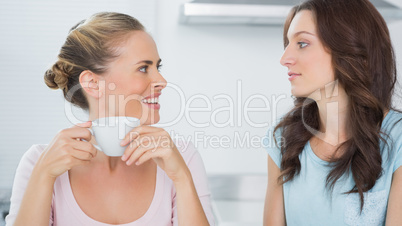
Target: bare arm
[
  {"x": 274, "y": 211},
  {"x": 164, "y": 152},
  {"x": 189, "y": 208},
  {"x": 65, "y": 151},
  {"x": 394, "y": 216},
  {"x": 36, "y": 203}
]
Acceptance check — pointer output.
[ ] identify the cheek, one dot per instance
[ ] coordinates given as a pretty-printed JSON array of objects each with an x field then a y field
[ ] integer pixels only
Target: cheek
[
  {"x": 133, "y": 92},
  {"x": 125, "y": 95},
  {"x": 321, "y": 69},
  {"x": 138, "y": 87},
  {"x": 129, "y": 87}
]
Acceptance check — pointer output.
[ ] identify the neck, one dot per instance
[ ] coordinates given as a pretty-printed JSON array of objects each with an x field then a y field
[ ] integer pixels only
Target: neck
[
  {"x": 111, "y": 164},
  {"x": 333, "y": 112}
]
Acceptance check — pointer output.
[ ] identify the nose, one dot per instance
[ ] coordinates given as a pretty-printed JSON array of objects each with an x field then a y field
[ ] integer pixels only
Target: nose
[
  {"x": 288, "y": 58},
  {"x": 158, "y": 82}
]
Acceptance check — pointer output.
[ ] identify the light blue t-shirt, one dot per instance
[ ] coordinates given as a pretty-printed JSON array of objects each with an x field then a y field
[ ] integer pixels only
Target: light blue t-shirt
[{"x": 309, "y": 202}]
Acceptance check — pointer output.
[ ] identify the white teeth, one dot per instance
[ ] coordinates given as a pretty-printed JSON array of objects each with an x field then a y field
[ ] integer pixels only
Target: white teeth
[{"x": 151, "y": 100}]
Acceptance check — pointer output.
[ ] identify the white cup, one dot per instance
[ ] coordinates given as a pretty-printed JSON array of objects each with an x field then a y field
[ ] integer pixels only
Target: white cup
[{"x": 110, "y": 131}]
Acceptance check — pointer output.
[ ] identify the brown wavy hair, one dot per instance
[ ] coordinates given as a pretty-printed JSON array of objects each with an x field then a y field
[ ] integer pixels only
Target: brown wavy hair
[
  {"x": 90, "y": 45},
  {"x": 364, "y": 65}
]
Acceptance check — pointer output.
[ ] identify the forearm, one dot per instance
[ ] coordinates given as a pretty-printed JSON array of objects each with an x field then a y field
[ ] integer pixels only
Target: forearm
[
  {"x": 189, "y": 208},
  {"x": 36, "y": 203},
  {"x": 274, "y": 209}
]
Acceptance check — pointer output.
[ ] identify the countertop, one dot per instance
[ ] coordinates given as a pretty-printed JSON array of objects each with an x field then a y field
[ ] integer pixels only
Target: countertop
[
  {"x": 238, "y": 200},
  {"x": 238, "y": 213}
]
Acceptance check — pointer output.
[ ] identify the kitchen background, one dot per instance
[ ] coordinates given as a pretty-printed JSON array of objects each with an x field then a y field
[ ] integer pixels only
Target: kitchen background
[{"x": 221, "y": 69}]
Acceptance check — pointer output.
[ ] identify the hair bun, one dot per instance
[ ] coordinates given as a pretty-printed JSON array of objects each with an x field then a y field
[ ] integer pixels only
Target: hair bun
[
  {"x": 50, "y": 79},
  {"x": 56, "y": 77}
]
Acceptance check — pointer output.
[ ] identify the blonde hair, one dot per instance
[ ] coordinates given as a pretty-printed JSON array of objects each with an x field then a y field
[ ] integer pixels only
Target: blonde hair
[{"x": 90, "y": 45}]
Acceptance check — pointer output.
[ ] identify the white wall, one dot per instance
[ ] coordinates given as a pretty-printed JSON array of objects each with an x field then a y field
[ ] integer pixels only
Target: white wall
[
  {"x": 200, "y": 60},
  {"x": 209, "y": 60},
  {"x": 212, "y": 60}
]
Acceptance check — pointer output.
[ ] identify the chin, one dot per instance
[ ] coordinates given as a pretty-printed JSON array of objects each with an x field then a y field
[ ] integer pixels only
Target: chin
[
  {"x": 297, "y": 93},
  {"x": 150, "y": 120},
  {"x": 306, "y": 94}
]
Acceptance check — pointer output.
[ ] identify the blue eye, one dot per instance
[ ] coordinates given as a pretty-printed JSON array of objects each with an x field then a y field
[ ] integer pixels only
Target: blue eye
[
  {"x": 302, "y": 44},
  {"x": 159, "y": 67},
  {"x": 144, "y": 69}
]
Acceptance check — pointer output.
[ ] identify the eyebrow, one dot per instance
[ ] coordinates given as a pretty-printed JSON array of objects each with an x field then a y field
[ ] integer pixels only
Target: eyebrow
[
  {"x": 302, "y": 32},
  {"x": 149, "y": 62}
]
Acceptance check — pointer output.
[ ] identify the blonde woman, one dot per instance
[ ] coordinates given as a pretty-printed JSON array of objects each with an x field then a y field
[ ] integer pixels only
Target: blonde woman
[{"x": 69, "y": 182}]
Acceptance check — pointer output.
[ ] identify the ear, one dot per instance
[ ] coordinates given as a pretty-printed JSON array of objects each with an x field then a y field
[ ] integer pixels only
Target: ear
[{"x": 90, "y": 83}]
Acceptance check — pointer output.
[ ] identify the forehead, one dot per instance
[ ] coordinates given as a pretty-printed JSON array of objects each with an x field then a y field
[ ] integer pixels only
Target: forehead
[
  {"x": 303, "y": 21},
  {"x": 138, "y": 45}
]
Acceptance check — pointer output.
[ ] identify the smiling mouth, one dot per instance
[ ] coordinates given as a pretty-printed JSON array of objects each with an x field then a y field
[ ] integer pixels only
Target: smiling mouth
[{"x": 151, "y": 100}]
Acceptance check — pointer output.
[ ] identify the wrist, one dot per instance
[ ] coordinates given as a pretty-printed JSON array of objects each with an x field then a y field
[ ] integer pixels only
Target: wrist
[
  {"x": 42, "y": 177},
  {"x": 183, "y": 177}
]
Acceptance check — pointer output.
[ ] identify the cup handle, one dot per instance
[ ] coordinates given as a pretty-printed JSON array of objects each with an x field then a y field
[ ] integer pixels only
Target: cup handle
[{"x": 92, "y": 133}]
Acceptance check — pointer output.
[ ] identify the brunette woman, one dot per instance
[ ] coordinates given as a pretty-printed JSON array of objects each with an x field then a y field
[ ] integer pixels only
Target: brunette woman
[{"x": 338, "y": 152}]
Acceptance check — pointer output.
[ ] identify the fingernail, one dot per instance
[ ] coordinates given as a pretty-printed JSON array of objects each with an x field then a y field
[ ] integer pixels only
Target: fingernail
[
  {"x": 123, "y": 157},
  {"x": 128, "y": 162},
  {"x": 137, "y": 163},
  {"x": 122, "y": 143}
]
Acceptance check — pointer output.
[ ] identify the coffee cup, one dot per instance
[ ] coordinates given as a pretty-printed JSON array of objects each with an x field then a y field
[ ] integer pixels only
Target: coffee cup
[{"x": 110, "y": 131}]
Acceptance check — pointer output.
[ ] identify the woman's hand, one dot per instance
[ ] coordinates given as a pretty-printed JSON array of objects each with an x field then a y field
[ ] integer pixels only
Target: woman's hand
[
  {"x": 67, "y": 150},
  {"x": 149, "y": 142}
]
